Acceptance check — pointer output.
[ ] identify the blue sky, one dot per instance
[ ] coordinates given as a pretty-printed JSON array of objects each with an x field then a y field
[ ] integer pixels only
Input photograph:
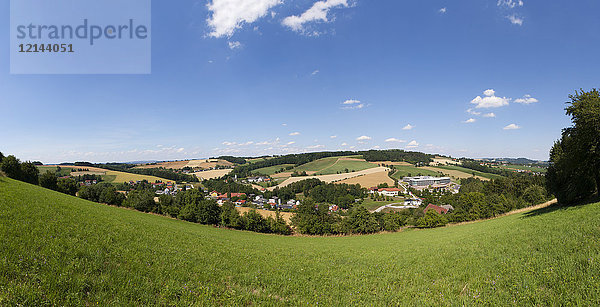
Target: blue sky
[{"x": 256, "y": 77}]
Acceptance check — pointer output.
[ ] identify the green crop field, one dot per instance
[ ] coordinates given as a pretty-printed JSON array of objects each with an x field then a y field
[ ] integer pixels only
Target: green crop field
[
  {"x": 272, "y": 169},
  {"x": 409, "y": 170},
  {"x": 59, "y": 250},
  {"x": 316, "y": 165},
  {"x": 469, "y": 171},
  {"x": 63, "y": 170},
  {"x": 350, "y": 165}
]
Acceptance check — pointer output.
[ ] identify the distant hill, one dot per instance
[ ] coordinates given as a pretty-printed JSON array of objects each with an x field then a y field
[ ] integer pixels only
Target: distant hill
[{"x": 519, "y": 161}]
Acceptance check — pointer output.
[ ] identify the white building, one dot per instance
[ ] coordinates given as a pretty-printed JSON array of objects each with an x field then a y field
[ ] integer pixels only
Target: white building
[{"x": 425, "y": 181}]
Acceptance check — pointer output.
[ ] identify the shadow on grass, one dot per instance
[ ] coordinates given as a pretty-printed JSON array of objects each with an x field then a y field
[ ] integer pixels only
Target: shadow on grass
[{"x": 559, "y": 206}]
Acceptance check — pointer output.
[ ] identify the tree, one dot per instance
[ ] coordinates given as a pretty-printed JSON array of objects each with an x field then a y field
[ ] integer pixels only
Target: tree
[
  {"x": 29, "y": 173},
  {"x": 48, "y": 180},
  {"x": 11, "y": 166},
  {"x": 67, "y": 186},
  {"x": 1, "y": 157},
  {"x": 432, "y": 219},
  {"x": 141, "y": 201},
  {"x": 110, "y": 196},
  {"x": 361, "y": 221},
  {"x": 574, "y": 173}
]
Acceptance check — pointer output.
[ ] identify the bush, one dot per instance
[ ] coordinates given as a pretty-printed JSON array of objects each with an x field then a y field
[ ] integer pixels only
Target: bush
[
  {"x": 11, "y": 166},
  {"x": 361, "y": 221},
  {"x": 67, "y": 186},
  {"x": 141, "y": 201},
  {"x": 48, "y": 181},
  {"x": 432, "y": 219}
]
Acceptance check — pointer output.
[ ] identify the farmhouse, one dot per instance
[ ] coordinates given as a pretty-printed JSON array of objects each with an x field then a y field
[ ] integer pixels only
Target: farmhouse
[{"x": 389, "y": 191}]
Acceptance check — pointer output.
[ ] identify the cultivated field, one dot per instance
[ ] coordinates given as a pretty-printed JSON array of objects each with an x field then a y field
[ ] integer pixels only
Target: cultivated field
[
  {"x": 454, "y": 174},
  {"x": 443, "y": 161},
  {"x": 215, "y": 173},
  {"x": 333, "y": 177},
  {"x": 272, "y": 169},
  {"x": 60, "y": 250},
  {"x": 370, "y": 180},
  {"x": 469, "y": 172},
  {"x": 266, "y": 213},
  {"x": 411, "y": 170}
]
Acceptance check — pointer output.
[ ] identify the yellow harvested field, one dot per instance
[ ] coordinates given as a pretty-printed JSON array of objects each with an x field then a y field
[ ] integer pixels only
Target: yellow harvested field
[
  {"x": 443, "y": 161},
  {"x": 266, "y": 213},
  {"x": 454, "y": 173},
  {"x": 215, "y": 173},
  {"x": 333, "y": 177},
  {"x": 370, "y": 180}
]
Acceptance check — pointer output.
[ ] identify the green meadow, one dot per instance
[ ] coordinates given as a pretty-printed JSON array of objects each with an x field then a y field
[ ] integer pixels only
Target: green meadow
[
  {"x": 59, "y": 250},
  {"x": 409, "y": 170},
  {"x": 342, "y": 165},
  {"x": 270, "y": 170},
  {"x": 469, "y": 171}
]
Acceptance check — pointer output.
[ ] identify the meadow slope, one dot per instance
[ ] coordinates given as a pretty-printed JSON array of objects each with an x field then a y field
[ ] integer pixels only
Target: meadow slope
[{"x": 57, "y": 249}]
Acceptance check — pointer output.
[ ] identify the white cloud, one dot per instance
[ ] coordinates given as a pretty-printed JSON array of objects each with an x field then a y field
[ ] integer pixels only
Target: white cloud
[
  {"x": 344, "y": 144},
  {"x": 284, "y": 124},
  {"x": 489, "y": 115},
  {"x": 363, "y": 138},
  {"x": 315, "y": 146},
  {"x": 442, "y": 10},
  {"x": 412, "y": 144},
  {"x": 395, "y": 140},
  {"x": 228, "y": 143},
  {"x": 234, "y": 45},
  {"x": 469, "y": 121},
  {"x": 229, "y": 15},
  {"x": 511, "y": 127},
  {"x": 527, "y": 99},
  {"x": 352, "y": 104},
  {"x": 510, "y": 3},
  {"x": 408, "y": 127},
  {"x": 315, "y": 72},
  {"x": 318, "y": 12},
  {"x": 295, "y": 133},
  {"x": 473, "y": 112},
  {"x": 490, "y": 100},
  {"x": 333, "y": 137},
  {"x": 515, "y": 20},
  {"x": 290, "y": 143}
]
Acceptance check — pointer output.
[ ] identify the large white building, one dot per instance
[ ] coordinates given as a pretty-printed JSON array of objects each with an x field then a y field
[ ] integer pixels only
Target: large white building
[{"x": 425, "y": 181}]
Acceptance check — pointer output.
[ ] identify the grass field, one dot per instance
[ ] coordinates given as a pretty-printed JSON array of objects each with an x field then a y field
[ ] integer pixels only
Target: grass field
[
  {"x": 352, "y": 165},
  {"x": 59, "y": 250},
  {"x": 317, "y": 165},
  {"x": 470, "y": 172},
  {"x": 63, "y": 170},
  {"x": 410, "y": 170},
  {"x": 272, "y": 169}
]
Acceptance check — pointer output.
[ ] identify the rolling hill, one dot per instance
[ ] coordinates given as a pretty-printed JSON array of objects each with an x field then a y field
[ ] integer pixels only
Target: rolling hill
[{"x": 60, "y": 250}]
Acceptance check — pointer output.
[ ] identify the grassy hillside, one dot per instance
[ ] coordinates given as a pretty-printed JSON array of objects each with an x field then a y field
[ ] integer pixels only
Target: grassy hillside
[
  {"x": 469, "y": 171},
  {"x": 410, "y": 170},
  {"x": 270, "y": 170},
  {"x": 56, "y": 249},
  {"x": 351, "y": 165},
  {"x": 109, "y": 175}
]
